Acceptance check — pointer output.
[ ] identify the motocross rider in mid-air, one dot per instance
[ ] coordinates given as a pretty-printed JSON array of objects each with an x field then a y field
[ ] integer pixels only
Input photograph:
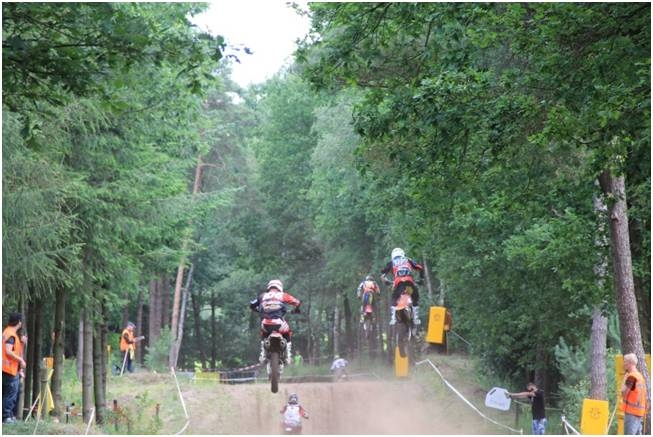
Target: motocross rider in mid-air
[
  {"x": 271, "y": 305},
  {"x": 402, "y": 268},
  {"x": 367, "y": 291}
]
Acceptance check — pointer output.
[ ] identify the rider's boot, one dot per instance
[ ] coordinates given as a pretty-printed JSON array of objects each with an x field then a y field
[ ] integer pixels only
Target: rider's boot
[
  {"x": 288, "y": 353},
  {"x": 261, "y": 357},
  {"x": 362, "y": 315},
  {"x": 416, "y": 320},
  {"x": 393, "y": 318}
]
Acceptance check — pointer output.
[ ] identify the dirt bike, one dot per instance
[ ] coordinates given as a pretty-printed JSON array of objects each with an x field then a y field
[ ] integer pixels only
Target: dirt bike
[
  {"x": 404, "y": 327},
  {"x": 275, "y": 352},
  {"x": 367, "y": 321}
]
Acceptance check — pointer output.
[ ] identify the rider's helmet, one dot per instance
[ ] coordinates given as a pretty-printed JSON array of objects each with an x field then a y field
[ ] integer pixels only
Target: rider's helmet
[
  {"x": 397, "y": 251},
  {"x": 275, "y": 283},
  {"x": 369, "y": 278},
  {"x": 293, "y": 399}
]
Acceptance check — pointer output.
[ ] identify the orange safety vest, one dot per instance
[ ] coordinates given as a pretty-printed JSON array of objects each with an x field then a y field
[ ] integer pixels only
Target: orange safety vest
[
  {"x": 123, "y": 343},
  {"x": 635, "y": 400},
  {"x": 9, "y": 364}
]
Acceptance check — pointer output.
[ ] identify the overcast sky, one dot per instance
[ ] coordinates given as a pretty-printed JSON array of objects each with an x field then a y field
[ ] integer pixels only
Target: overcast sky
[{"x": 268, "y": 28}]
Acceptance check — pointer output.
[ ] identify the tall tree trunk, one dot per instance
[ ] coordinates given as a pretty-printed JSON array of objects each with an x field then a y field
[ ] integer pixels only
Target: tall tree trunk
[
  {"x": 349, "y": 326},
  {"x": 30, "y": 374},
  {"x": 336, "y": 327},
  {"x": 87, "y": 367},
  {"x": 214, "y": 338},
  {"x": 36, "y": 340},
  {"x": 59, "y": 330},
  {"x": 309, "y": 343},
  {"x": 598, "y": 387},
  {"x": 155, "y": 316},
  {"x": 164, "y": 292},
  {"x": 139, "y": 325},
  {"x": 80, "y": 348},
  {"x": 176, "y": 345},
  {"x": 176, "y": 303},
  {"x": 614, "y": 188},
  {"x": 599, "y": 384},
  {"x": 125, "y": 311},
  {"x": 98, "y": 373},
  {"x": 199, "y": 344},
  {"x": 429, "y": 288},
  {"x": 22, "y": 308}
]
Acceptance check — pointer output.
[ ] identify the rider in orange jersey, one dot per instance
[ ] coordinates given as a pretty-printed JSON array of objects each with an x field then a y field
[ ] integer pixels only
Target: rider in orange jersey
[{"x": 402, "y": 267}]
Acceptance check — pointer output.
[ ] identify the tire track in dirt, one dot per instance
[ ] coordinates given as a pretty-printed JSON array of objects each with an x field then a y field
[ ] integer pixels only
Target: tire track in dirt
[{"x": 365, "y": 407}]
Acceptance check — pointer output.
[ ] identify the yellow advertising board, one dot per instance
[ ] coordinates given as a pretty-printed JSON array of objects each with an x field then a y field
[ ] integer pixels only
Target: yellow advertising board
[
  {"x": 401, "y": 364},
  {"x": 437, "y": 317},
  {"x": 594, "y": 417}
]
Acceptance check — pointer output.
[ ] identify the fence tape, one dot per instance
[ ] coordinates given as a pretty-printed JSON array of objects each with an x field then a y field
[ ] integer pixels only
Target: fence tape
[
  {"x": 183, "y": 404},
  {"x": 465, "y": 400},
  {"x": 460, "y": 337},
  {"x": 614, "y": 410},
  {"x": 568, "y": 425},
  {"x": 90, "y": 420}
]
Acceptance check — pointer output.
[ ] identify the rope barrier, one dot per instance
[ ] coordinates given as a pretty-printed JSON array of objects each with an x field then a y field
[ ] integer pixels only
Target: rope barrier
[
  {"x": 90, "y": 420},
  {"x": 464, "y": 399},
  {"x": 460, "y": 337},
  {"x": 568, "y": 425},
  {"x": 183, "y": 404},
  {"x": 38, "y": 420},
  {"x": 614, "y": 410}
]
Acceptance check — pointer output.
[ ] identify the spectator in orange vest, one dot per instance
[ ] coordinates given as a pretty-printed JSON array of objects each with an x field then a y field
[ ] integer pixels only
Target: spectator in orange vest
[
  {"x": 633, "y": 393},
  {"x": 128, "y": 345},
  {"x": 12, "y": 366}
]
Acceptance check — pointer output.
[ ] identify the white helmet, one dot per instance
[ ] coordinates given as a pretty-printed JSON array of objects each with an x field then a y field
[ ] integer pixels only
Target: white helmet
[
  {"x": 275, "y": 283},
  {"x": 397, "y": 251}
]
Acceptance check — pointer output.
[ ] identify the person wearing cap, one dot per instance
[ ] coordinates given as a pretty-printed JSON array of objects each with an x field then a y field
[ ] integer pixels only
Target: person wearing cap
[
  {"x": 12, "y": 366},
  {"x": 128, "y": 345}
]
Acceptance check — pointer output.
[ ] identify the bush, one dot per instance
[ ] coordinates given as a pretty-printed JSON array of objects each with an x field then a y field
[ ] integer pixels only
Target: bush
[{"x": 156, "y": 358}]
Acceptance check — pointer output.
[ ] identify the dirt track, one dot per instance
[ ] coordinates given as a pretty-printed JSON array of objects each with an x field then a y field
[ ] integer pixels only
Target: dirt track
[{"x": 393, "y": 407}]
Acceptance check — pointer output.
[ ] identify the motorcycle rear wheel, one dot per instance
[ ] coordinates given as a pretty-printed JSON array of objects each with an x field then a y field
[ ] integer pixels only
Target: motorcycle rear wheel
[{"x": 274, "y": 371}]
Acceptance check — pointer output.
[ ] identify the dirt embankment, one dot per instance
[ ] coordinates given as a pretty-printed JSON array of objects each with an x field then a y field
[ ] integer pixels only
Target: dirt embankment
[{"x": 364, "y": 407}]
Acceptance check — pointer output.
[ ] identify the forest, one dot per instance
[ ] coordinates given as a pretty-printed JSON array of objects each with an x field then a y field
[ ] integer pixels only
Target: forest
[{"x": 506, "y": 146}]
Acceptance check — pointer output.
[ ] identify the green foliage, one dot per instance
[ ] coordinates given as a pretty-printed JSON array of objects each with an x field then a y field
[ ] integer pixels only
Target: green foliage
[
  {"x": 574, "y": 364},
  {"x": 156, "y": 358},
  {"x": 488, "y": 142}
]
